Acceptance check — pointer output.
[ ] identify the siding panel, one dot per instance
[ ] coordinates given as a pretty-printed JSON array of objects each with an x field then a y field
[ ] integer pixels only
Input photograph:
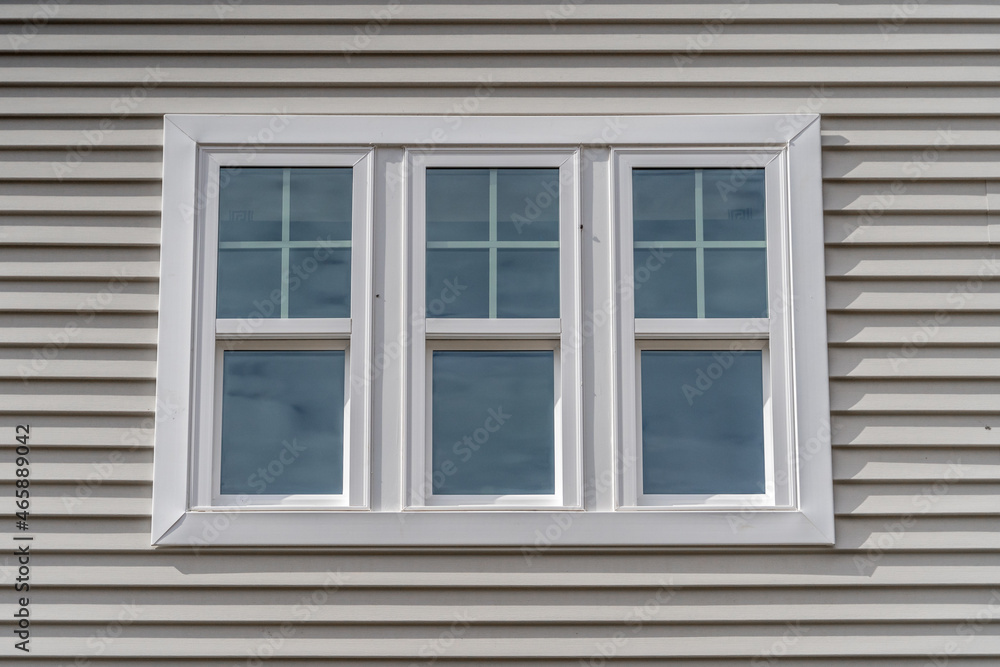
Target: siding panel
[{"x": 909, "y": 98}]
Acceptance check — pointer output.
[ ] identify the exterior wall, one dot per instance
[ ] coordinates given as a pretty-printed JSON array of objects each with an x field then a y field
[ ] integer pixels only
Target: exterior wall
[{"x": 911, "y": 136}]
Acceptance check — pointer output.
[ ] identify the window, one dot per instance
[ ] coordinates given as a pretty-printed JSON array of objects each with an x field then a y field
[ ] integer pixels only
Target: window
[
  {"x": 494, "y": 251},
  {"x": 522, "y": 331}
]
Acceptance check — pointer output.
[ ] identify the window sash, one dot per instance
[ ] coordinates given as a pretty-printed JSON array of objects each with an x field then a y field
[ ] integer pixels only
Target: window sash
[
  {"x": 351, "y": 334},
  {"x": 430, "y": 333},
  {"x": 771, "y": 332}
]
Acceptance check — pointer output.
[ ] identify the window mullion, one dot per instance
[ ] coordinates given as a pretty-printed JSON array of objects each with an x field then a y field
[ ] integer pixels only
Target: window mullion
[
  {"x": 493, "y": 240},
  {"x": 286, "y": 215},
  {"x": 699, "y": 236}
]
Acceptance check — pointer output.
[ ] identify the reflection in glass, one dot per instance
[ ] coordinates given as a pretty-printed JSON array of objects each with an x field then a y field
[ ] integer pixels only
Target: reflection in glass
[
  {"x": 284, "y": 242},
  {"x": 708, "y": 226},
  {"x": 665, "y": 283},
  {"x": 736, "y": 282},
  {"x": 702, "y": 422},
  {"x": 663, "y": 203},
  {"x": 319, "y": 283},
  {"x": 493, "y": 422},
  {"x": 492, "y": 234},
  {"x": 534, "y": 272},
  {"x": 250, "y": 201},
  {"x": 249, "y": 283},
  {"x": 320, "y": 203},
  {"x": 282, "y": 422},
  {"x": 458, "y": 283},
  {"x": 734, "y": 204}
]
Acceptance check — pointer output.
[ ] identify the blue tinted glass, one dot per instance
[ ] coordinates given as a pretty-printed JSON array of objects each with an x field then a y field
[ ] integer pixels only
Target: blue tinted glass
[
  {"x": 665, "y": 283},
  {"x": 734, "y": 204},
  {"x": 320, "y": 204},
  {"x": 528, "y": 283},
  {"x": 528, "y": 204},
  {"x": 319, "y": 283},
  {"x": 736, "y": 282},
  {"x": 458, "y": 204},
  {"x": 702, "y": 422},
  {"x": 663, "y": 204},
  {"x": 458, "y": 283},
  {"x": 250, "y": 204},
  {"x": 249, "y": 284},
  {"x": 493, "y": 422},
  {"x": 282, "y": 422}
]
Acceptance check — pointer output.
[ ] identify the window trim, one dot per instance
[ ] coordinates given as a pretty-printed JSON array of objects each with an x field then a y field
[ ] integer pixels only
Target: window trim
[{"x": 175, "y": 522}]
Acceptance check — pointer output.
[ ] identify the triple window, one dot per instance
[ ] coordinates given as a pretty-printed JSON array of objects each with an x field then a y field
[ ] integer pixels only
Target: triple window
[{"x": 518, "y": 328}]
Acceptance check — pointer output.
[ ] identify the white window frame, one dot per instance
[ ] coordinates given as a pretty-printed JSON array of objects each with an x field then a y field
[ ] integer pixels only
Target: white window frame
[
  {"x": 767, "y": 334},
  {"x": 602, "y": 339},
  {"x": 429, "y": 333}
]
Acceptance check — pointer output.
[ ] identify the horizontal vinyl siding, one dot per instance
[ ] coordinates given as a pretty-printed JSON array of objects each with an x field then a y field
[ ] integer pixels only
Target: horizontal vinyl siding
[{"x": 913, "y": 293}]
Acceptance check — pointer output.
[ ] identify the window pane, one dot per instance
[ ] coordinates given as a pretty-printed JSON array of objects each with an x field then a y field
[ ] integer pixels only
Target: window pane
[
  {"x": 320, "y": 204},
  {"x": 528, "y": 204},
  {"x": 702, "y": 422},
  {"x": 736, "y": 283},
  {"x": 734, "y": 204},
  {"x": 283, "y": 422},
  {"x": 250, "y": 204},
  {"x": 458, "y": 204},
  {"x": 493, "y": 235},
  {"x": 249, "y": 283},
  {"x": 528, "y": 283},
  {"x": 493, "y": 415},
  {"x": 663, "y": 202},
  {"x": 665, "y": 283},
  {"x": 699, "y": 242},
  {"x": 458, "y": 283},
  {"x": 319, "y": 283},
  {"x": 284, "y": 242}
]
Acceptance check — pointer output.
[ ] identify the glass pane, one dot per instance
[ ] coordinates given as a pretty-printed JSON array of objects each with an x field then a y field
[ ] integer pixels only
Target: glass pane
[
  {"x": 249, "y": 284},
  {"x": 736, "y": 282},
  {"x": 458, "y": 204},
  {"x": 734, "y": 204},
  {"x": 528, "y": 204},
  {"x": 493, "y": 418},
  {"x": 319, "y": 283},
  {"x": 250, "y": 203},
  {"x": 492, "y": 243},
  {"x": 702, "y": 422},
  {"x": 528, "y": 283},
  {"x": 320, "y": 204},
  {"x": 263, "y": 213},
  {"x": 665, "y": 283},
  {"x": 663, "y": 202},
  {"x": 458, "y": 283},
  {"x": 283, "y": 422}
]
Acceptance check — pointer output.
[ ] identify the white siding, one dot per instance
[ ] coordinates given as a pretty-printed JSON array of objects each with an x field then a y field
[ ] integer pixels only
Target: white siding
[{"x": 913, "y": 295}]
